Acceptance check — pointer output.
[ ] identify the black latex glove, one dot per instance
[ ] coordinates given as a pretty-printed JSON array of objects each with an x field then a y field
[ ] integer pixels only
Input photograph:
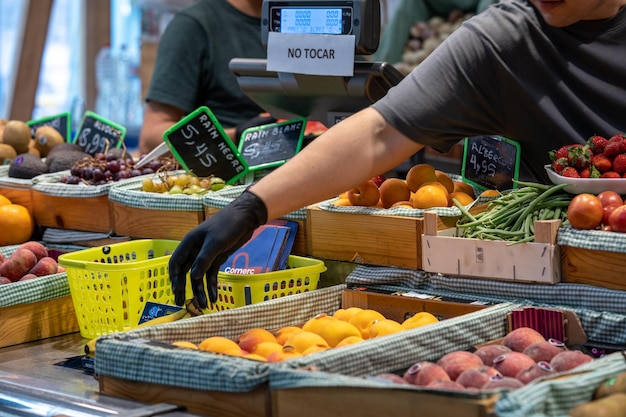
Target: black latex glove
[
  {"x": 206, "y": 247},
  {"x": 255, "y": 121}
]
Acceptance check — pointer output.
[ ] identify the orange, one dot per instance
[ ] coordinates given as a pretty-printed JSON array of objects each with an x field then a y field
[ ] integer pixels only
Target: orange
[
  {"x": 429, "y": 196},
  {"x": 16, "y": 224},
  {"x": 420, "y": 174}
]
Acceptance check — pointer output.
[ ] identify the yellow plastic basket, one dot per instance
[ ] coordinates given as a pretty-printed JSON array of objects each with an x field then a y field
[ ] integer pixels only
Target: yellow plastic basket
[{"x": 111, "y": 284}]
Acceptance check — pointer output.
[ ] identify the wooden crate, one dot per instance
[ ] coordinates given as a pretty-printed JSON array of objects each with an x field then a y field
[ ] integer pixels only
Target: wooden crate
[
  {"x": 153, "y": 224},
  {"x": 35, "y": 321},
  {"x": 367, "y": 239},
  {"x": 299, "y": 245},
  {"x": 75, "y": 213},
  {"x": 203, "y": 402},
  {"x": 18, "y": 195},
  {"x": 593, "y": 267},
  {"x": 537, "y": 261}
]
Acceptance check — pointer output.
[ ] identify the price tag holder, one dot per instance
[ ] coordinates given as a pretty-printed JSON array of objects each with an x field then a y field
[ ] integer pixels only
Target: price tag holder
[
  {"x": 61, "y": 122},
  {"x": 200, "y": 145},
  {"x": 491, "y": 162},
  {"x": 96, "y": 132},
  {"x": 272, "y": 145}
]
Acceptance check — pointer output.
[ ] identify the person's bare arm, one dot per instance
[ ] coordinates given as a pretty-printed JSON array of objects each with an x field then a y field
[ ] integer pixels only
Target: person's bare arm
[
  {"x": 357, "y": 149},
  {"x": 158, "y": 117}
]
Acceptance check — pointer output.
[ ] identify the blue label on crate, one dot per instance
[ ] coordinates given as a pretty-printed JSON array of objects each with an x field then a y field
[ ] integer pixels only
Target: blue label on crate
[{"x": 154, "y": 310}]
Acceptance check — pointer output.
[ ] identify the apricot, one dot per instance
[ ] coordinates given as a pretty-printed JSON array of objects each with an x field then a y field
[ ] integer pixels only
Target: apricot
[
  {"x": 385, "y": 327},
  {"x": 342, "y": 202},
  {"x": 420, "y": 174},
  {"x": 283, "y": 333},
  {"x": 429, "y": 196},
  {"x": 365, "y": 194},
  {"x": 445, "y": 179},
  {"x": 392, "y": 191},
  {"x": 463, "y": 198},
  {"x": 249, "y": 339},
  {"x": 364, "y": 319},
  {"x": 301, "y": 341},
  {"x": 460, "y": 186},
  {"x": 218, "y": 344}
]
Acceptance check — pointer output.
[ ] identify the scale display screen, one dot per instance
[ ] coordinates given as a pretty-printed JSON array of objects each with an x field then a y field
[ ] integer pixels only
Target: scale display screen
[{"x": 310, "y": 20}]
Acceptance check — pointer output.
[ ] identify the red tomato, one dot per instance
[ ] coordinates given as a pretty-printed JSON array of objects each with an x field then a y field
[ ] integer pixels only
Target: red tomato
[
  {"x": 606, "y": 211},
  {"x": 617, "y": 219},
  {"x": 585, "y": 212},
  {"x": 610, "y": 197}
]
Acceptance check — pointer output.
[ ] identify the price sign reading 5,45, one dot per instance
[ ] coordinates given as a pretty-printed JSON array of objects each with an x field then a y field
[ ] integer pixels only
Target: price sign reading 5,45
[{"x": 491, "y": 162}]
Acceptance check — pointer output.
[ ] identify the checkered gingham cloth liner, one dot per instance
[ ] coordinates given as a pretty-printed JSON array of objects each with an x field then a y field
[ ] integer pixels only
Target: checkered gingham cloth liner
[
  {"x": 128, "y": 193},
  {"x": 125, "y": 359},
  {"x": 592, "y": 239},
  {"x": 225, "y": 196},
  {"x": 602, "y": 311},
  {"x": 34, "y": 290},
  {"x": 17, "y": 183},
  {"x": 51, "y": 184}
]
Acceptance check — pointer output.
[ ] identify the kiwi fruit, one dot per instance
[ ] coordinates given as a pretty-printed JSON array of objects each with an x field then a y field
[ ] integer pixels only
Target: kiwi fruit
[
  {"x": 7, "y": 153},
  {"x": 27, "y": 166},
  {"x": 46, "y": 138},
  {"x": 32, "y": 149},
  {"x": 17, "y": 134}
]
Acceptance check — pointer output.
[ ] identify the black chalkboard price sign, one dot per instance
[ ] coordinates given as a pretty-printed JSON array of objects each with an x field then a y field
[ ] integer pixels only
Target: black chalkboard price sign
[
  {"x": 61, "y": 122},
  {"x": 491, "y": 162},
  {"x": 271, "y": 145},
  {"x": 96, "y": 133},
  {"x": 200, "y": 145}
]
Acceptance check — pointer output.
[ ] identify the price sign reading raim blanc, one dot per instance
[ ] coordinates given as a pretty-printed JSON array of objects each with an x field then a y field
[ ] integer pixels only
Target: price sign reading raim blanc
[
  {"x": 97, "y": 134},
  {"x": 273, "y": 144},
  {"x": 200, "y": 145},
  {"x": 491, "y": 162}
]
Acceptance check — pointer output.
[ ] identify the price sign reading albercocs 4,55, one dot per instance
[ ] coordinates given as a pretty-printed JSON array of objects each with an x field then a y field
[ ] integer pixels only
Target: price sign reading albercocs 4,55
[
  {"x": 273, "y": 144},
  {"x": 491, "y": 162},
  {"x": 200, "y": 145},
  {"x": 96, "y": 134}
]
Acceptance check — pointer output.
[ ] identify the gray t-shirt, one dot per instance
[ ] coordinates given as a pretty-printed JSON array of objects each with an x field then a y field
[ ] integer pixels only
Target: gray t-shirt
[
  {"x": 505, "y": 72},
  {"x": 191, "y": 69}
]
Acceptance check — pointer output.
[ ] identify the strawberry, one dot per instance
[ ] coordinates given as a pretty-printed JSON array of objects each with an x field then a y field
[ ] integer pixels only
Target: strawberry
[
  {"x": 570, "y": 172},
  {"x": 559, "y": 164},
  {"x": 602, "y": 162},
  {"x": 559, "y": 153},
  {"x": 597, "y": 143},
  {"x": 610, "y": 174},
  {"x": 619, "y": 163},
  {"x": 579, "y": 156},
  {"x": 615, "y": 145},
  {"x": 590, "y": 172}
]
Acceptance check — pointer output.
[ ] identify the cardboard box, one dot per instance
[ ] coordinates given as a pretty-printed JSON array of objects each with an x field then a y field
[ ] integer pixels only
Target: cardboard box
[
  {"x": 203, "y": 382},
  {"x": 368, "y": 239},
  {"x": 538, "y": 261}
]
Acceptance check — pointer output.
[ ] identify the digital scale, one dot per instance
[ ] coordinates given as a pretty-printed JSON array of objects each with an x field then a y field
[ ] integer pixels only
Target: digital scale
[{"x": 321, "y": 26}]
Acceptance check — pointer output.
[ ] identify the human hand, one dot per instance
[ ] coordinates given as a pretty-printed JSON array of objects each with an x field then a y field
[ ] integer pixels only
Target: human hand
[
  {"x": 255, "y": 121},
  {"x": 206, "y": 247}
]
